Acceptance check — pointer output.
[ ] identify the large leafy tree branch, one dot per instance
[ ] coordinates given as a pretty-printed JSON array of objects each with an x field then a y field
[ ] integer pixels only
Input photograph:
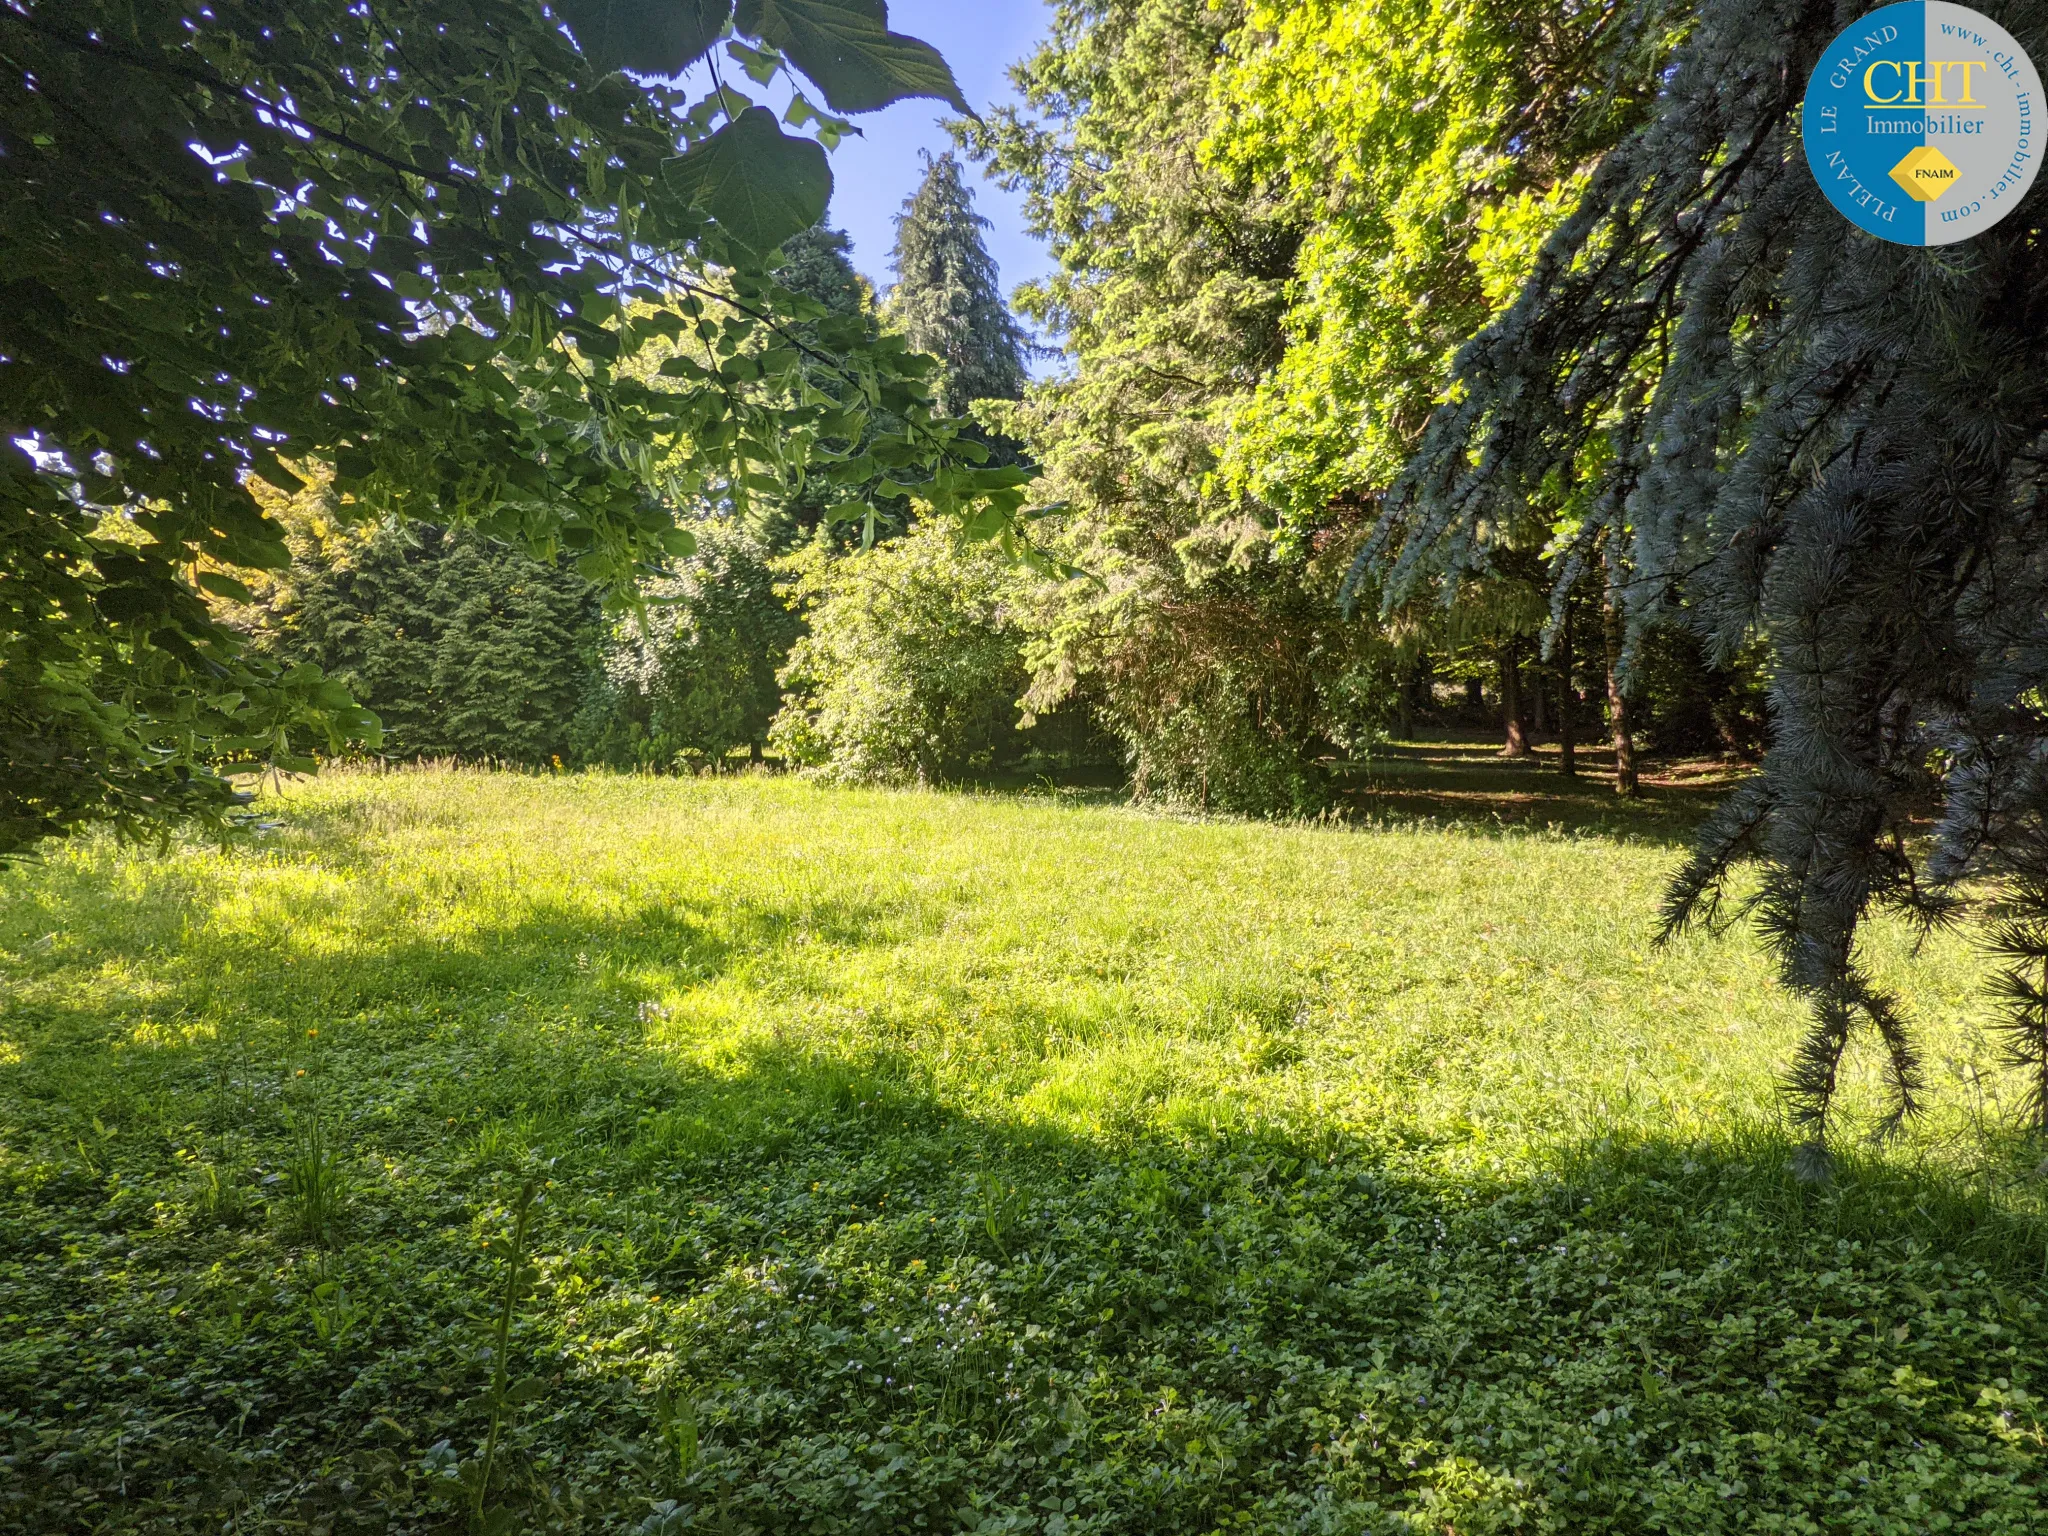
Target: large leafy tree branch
[{"x": 416, "y": 242}]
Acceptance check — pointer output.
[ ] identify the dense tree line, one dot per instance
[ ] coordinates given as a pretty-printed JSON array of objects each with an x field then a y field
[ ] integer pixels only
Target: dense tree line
[
  {"x": 1212, "y": 287},
  {"x": 1276, "y": 226},
  {"x": 787, "y": 621},
  {"x": 1227, "y": 260}
]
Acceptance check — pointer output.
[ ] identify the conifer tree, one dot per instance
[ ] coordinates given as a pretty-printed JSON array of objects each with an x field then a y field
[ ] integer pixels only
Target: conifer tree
[
  {"x": 462, "y": 645},
  {"x": 817, "y": 264},
  {"x": 946, "y": 299},
  {"x": 1219, "y": 661}
]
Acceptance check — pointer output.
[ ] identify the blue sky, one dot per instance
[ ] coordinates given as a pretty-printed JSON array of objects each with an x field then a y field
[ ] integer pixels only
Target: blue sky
[{"x": 874, "y": 173}]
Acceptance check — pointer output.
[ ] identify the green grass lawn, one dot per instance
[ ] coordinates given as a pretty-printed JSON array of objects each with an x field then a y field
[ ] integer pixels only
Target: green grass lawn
[{"x": 931, "y": 1162}]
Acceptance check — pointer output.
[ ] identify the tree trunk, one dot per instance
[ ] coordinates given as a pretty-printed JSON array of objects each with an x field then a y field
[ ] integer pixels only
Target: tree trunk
[
  {"x": 1567, "y": 741},
  {"x": 1617, "y": 706},
  {"x": 1511, "y": 703},
  {"x": 1475, "y": 697},
  {"x": 1539, "y": 700}
]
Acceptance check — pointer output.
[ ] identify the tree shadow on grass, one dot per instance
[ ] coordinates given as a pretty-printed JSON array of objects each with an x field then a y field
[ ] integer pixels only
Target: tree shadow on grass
[
  {"x": 794, "y": 1288},
  {"x": 787, "y": 1284},
  {"x": 1466, "y": 783}
]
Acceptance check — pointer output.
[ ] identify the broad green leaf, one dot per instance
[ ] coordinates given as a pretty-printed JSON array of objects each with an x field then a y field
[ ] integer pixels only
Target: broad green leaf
[
  {"x": 224, "y": 586},
  {"x": 650, "y": 37},
  {"x": 759, "y": 63},
  {"x": 761, "y": 185},
  {"x": 846, "y": 47},
  {"x": 985, "y": 524},
  {"x": 263, "y": 459}
]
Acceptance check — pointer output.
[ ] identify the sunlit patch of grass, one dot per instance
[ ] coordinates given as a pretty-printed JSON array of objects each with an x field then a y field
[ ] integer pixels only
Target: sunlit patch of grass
[
  {"x": 979, "y": 1150},
  {"x": 167, "y": 1034}
]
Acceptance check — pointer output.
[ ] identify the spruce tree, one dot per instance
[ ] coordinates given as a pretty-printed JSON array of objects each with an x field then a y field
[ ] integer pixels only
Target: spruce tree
[
  {"x": 946, "y": 299},
  {"x": 817, "y": 264},
  {"x": 1783, "y": 430}
]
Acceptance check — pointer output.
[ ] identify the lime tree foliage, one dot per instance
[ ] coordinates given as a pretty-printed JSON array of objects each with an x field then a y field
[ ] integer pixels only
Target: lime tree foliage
[
  {"x": 1426, "y": 148},
  {"x": 690, "y": 675},
  {"x": 525, "y": 668},
  {"x": 1217, "y": 658},
  {"x": 464, "y": 646},
  {"x": 947, "y": 300},
  {"x": 415, "y": 242},
  {"x": 1823, "y": 445},
  {"x": 818, "y": 265}
]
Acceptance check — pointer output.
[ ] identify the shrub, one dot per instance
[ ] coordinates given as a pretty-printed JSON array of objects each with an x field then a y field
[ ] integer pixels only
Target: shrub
[
  {"x": 1228, "y": 676},
  {"x": 911, "y": 670}
]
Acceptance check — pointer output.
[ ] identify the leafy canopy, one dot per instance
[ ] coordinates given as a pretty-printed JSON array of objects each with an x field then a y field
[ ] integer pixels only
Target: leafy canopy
[
  {"x": 1427, "y": 147},
  {"x": 414, "y": 242}
]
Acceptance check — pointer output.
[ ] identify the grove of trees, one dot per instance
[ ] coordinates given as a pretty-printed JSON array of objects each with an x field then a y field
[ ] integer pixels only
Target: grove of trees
[{"x": 1234, "y": 1105}]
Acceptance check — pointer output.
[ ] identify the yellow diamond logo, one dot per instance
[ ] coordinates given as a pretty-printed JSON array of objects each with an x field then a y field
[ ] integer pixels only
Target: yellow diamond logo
[{"x": 1925, "y": 173}]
